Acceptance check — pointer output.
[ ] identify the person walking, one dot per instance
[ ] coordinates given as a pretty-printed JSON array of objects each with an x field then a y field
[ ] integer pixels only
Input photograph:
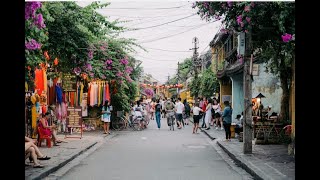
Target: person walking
[
  {"x": 106, "y": 116},
  {"x": 227, "y": 112},
  {"x": 217, "y": 114},
  {"x": 203, "y": 106},
  {"x": 158, "y": 115},
  {"x": 187, "y": 110},
  {"x": 179, "y": 108},
  {"x": 208, "y": 115},
  {"x": 196, "y": 117}
]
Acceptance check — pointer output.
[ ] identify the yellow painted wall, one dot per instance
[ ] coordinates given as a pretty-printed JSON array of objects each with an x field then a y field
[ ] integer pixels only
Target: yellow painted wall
[
  {"x": 225, "y": 90},
  {"x": 292, "y": 101}
]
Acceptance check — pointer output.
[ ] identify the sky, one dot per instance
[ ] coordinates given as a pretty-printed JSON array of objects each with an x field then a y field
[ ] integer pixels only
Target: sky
[{"x": 167, "y": 30}]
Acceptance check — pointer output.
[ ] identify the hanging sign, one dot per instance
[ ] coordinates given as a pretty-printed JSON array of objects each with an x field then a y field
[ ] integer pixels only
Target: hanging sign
[{"x": 69, "y": 82}]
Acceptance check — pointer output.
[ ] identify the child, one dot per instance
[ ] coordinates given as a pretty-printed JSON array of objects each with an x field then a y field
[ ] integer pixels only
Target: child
[{"x": 196, "y": 110}]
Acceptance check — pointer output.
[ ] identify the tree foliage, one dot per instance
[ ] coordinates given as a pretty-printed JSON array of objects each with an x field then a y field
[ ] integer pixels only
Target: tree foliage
[
  {"x": 82, "y": 41},
  {"x": 272, "y": 28}
]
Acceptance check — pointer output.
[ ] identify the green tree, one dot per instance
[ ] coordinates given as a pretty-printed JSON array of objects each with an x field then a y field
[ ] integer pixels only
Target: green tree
[{"x": 272, "y": 28}]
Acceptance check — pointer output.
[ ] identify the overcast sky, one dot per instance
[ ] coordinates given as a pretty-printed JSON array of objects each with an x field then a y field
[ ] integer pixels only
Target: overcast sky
[{"x": 167, "y": 43}]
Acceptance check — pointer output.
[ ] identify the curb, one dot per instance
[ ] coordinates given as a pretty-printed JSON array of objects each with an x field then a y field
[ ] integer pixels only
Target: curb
[
  {"x": 55, "y": 168},
  {"x": 212, "y": 138},
  {"x": 235, "y": 159},
  {"x": 60, "y": 165},
  {"x": 240, "y": 163}
]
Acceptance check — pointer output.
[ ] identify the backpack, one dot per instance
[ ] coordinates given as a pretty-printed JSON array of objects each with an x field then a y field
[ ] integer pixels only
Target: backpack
[{"x": 169, "y": 105}]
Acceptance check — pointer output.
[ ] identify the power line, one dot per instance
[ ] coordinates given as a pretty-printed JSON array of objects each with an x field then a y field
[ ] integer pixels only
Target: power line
[
  {"x": 177, "y": 7},
  {"x": 152, "y": 40},
  {"x": 165, "y": 50},
  {"x": 164, "y": 23},
  {"x": 144, "y": 17},
  {"x": 157, "y": 59}
]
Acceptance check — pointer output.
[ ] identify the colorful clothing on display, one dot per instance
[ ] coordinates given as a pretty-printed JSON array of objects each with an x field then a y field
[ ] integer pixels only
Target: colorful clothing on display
[
  {"x": 59, "y": 94},
  {"x": 39, "y": 82},
  {"x": 98, "y": 93}
]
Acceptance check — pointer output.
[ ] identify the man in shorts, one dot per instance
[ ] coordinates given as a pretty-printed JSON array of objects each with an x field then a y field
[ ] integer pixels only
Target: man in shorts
[{"x": 179, "y": 108}]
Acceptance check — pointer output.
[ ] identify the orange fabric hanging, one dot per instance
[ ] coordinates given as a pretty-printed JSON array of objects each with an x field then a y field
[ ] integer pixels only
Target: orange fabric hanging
[
  {"x": 72, "y": 99},
  {"x": 39, "y": 83},
  {"x": 107, "y": 92}
]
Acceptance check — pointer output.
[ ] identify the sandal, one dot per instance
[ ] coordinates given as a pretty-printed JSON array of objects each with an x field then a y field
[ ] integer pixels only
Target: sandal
[
  {"x": 44, "y": 158},
  {"x": 38, "y": 166},
  {"x": 56, "y": 144}
]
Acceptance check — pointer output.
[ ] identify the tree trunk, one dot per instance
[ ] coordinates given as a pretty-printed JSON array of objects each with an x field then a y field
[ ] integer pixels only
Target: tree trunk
[{"x": 284, "y": 79}]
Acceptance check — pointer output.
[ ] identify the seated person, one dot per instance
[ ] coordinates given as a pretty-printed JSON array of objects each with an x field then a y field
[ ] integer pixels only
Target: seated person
[
  {"x": 48, "y": 130},
  {"x": 239, "y": 124},
  {"x": 33, "y": 153}
]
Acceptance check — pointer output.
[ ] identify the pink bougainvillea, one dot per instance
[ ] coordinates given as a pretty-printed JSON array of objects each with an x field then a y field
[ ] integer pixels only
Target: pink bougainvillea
[
  {"x": 286, "y": 37},
  {"x": 149, "y": 92}
]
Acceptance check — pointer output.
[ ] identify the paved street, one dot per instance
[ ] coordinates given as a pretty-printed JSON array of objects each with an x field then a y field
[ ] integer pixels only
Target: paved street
[{"x": 156, "y": 154}]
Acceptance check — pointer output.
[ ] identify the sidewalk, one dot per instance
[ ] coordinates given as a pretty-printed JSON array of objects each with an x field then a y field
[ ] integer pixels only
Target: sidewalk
[
  {"x": 61, "y": 155},
  {"x": 265, "y": 162}
]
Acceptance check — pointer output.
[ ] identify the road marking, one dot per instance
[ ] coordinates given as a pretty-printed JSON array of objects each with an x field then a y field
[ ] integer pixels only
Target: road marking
[
  {"x": 144, "y": 138},
  {"x": 196, "y": 147}
]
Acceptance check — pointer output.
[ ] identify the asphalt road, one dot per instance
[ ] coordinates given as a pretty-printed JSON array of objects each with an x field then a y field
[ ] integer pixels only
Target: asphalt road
[{"x": 154, "y": 154}]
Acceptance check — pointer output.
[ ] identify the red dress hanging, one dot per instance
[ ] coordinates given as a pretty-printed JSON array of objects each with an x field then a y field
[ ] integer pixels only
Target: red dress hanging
[
  {"x": 39, "y": 83},
  {"x": 107, "y": 92}
]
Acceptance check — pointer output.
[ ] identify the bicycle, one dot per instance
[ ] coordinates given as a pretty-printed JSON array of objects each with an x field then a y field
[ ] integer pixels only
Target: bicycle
[{"x": 119, "y": 122}]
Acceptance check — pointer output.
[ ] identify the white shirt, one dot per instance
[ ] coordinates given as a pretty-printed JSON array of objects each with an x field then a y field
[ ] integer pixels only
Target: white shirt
[
  {"x": 196, "y": 110},
  {"x": 179, "y": 107},
  {"x": 216, "y": 107}
]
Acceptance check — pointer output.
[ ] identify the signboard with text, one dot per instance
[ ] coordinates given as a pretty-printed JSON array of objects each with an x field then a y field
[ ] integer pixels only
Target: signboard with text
[
  {"x": 69, "y": 82},
  {"x": 74, "y": 120}
]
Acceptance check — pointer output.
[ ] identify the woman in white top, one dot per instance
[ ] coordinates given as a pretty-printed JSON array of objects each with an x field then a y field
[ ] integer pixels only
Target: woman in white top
[
  {"x": 208, "y": 116},
  {"x": 217, "y": 114},
  {"x": 196, "y": 117}
]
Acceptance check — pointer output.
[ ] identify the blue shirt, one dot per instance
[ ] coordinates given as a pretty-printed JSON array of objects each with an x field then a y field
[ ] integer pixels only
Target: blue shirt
[
  {"x": 105, "y": 115},
  {"x": 227, "y": 112}
]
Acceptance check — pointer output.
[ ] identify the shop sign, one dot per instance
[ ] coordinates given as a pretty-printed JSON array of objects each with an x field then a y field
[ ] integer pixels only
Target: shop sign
[
  {"x": 69, "y": 82},
  {"x": 74, "y": 118},
  {"x": 226, "y": 98}
]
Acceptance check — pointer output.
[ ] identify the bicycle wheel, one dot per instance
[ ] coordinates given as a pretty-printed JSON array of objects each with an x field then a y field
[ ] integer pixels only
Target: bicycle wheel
[{"x": 117, "y": 124}]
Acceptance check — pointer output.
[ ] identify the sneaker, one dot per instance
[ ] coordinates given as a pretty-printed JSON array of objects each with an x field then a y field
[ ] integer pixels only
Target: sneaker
[
  {"x": 221, "y": 128},
  {"x": 216, "y": 128}
]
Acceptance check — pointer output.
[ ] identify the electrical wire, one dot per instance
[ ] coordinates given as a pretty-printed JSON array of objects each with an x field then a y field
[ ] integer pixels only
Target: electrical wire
[
  {"x": 164, "y": 23},
  {"x": 152, "y": 40},
  {"x": 177, "y": 7},
  {"x": 157, "y": 59},
  {"x": 165, "y": 50}
]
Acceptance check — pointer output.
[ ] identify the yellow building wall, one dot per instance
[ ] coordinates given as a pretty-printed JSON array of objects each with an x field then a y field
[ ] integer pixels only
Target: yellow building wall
[
  {"x": 292, "y": 101},
  {"x": 225, "y": 90}
]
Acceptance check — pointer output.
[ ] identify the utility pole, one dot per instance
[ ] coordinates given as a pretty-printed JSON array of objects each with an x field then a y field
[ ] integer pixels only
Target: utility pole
[
  {"x": 247, "y": 88},
  {"x": 195, "y": 59}
]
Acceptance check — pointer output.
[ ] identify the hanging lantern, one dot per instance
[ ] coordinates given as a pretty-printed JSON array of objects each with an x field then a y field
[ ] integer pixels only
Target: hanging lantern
[{"x": 56, "y": 61}]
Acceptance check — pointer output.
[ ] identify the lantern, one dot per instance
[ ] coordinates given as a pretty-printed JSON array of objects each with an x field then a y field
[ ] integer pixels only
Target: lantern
[{"x": 56, "y": 61}]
